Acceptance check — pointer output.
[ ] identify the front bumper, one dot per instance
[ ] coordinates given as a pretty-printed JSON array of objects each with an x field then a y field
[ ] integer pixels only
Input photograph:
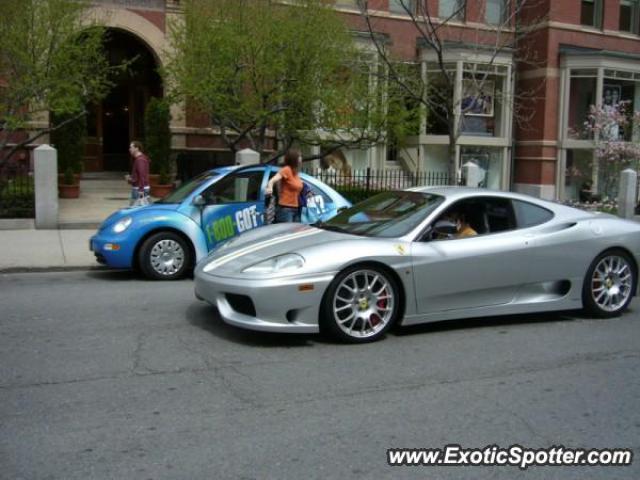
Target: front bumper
[
  {"x": 286, "y": 304},
  {"x": 104, "y": 245}
]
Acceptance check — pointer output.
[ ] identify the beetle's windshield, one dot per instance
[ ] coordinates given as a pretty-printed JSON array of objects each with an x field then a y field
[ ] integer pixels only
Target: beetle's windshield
[
  {"x": 178, "y": 195},
  {"x": 387, "y": 215}
]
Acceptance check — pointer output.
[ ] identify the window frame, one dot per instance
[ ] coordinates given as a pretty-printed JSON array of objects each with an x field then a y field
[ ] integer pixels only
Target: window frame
[{"x": 598, "y": 13}]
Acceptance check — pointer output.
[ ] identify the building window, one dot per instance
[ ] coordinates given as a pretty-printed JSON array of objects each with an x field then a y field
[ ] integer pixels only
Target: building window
[
  {"x": 630, "y": 16},
  {"x": 490, "y": 162},
  {"x": 451, "y": 9},
  {"x": 482, "y": 100},
  {"x": 591, "y": 13},
  {"x": 582, "y": 95},
  {"x": 403, "y": 7},
  {"x": 495, "y": 13}
]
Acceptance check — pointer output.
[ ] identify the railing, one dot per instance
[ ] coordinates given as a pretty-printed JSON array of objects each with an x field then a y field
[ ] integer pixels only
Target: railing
[
  {"x": 357, "y": 185},
  {"x": 17, "y": 199}
]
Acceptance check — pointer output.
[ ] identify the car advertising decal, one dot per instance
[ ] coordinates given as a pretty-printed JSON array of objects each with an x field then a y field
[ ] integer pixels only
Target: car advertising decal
[{"x": 225, "y": 227}]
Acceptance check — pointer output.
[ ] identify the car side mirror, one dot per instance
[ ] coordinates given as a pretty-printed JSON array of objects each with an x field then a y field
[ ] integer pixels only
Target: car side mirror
[
  {"x": 445, "y": 227},
  {"x": 342, "y": 209},
  {"x": 198, "y": 201}
]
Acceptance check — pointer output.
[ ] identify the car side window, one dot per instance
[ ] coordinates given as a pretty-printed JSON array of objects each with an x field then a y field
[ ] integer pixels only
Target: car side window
[
  {"x": 235, "y": 188},
  {"x": 530, "y": 215},
  {"x": 476, "y": 216}
]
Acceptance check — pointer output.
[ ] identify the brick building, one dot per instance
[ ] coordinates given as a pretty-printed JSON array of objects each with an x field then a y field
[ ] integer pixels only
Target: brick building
[{"x": 585, "y": 51}]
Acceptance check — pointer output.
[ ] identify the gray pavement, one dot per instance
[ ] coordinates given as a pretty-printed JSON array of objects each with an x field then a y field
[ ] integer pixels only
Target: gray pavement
[
  {"x": 106, "y": 376},
  {"x": 25, "y": 248}
]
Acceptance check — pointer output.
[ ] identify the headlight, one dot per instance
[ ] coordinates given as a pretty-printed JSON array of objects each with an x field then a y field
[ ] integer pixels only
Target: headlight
[
  {"x": 290, "y": 261},
  {"x": 122, "y": 225}
]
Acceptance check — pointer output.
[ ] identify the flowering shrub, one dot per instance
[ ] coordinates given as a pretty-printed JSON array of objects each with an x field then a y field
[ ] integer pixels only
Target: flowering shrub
[
  {"x": 612, "y": 127},
  {"x": 608, "y": 205}
]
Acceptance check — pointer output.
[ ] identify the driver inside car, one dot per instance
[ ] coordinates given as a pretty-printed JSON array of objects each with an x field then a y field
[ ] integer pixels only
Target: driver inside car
[{"x": 463, "y": 229}]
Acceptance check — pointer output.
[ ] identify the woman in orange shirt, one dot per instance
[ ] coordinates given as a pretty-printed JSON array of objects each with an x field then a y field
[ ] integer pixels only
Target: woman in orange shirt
[{"x": 288, "y": 208}]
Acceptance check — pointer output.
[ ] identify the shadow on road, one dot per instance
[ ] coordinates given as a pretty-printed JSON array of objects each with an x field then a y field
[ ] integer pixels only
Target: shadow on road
[{"x": 488, "y": 322}]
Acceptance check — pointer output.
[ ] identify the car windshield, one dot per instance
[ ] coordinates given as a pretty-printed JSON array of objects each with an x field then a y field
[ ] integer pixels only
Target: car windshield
[
  {"x": 386, "y": 215},
  {"x": 178, "y": 195}
]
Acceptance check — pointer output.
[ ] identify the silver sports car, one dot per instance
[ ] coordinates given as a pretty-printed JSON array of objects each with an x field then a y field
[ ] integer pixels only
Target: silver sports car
[{"x": 421, "y": 255}]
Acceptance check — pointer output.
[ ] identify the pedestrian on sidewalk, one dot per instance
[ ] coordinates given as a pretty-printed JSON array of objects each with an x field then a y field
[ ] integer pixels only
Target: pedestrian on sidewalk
[{"x": 139, "y": 178}]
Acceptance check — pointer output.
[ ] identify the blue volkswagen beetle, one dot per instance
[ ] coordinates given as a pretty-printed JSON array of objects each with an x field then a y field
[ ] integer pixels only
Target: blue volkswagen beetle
[{"x": 165, "y": 239}]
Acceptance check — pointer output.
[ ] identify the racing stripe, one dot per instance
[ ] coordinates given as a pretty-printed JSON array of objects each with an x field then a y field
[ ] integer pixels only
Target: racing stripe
[{"x": 253, "y": 248}]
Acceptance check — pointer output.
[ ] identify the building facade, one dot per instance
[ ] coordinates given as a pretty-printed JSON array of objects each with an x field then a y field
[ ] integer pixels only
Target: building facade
[{"x": 576, "y": 53}]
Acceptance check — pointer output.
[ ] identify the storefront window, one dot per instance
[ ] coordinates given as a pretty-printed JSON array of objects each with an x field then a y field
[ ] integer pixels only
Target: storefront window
[
  {"x": 490, "y": 161},
  {"x": 577, "y": 176},
  {"x": 620, "y": 92},
  {"x": 581, "y": 96},
  {"x": 482, "y": 100}
]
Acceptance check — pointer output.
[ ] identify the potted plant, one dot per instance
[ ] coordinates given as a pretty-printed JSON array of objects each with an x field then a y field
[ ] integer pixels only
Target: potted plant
[
  {"x": 69, "y": 141},
  {"x": 157, "y": 141},
  {"x": 69, "y": 186}
]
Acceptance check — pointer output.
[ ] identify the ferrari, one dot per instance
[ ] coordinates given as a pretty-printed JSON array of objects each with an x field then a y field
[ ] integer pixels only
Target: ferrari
[{"x": 423, "y": 255}]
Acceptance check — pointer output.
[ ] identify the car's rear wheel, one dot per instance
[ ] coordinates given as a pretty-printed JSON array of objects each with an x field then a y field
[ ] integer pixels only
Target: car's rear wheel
[
  {"x": 360, "y": 305},
  {"x": 164, "y": 256},
  {"x": 609, "y": 284}
]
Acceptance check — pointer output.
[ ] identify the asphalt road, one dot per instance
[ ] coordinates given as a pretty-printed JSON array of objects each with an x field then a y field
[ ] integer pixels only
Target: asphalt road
[{"x": 106, "y": 376}]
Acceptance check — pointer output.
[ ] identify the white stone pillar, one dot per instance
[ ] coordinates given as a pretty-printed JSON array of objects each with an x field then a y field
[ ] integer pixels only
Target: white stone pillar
[
  {"x": 627, "y": 193},
  {"x": 247, "y": 157},
  {"x": 45, "y": 169},
  {"x": 473, "y": 174}
]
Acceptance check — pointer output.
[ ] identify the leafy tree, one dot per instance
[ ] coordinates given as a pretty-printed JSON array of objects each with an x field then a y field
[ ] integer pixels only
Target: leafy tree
[
  {"x": 51, "y": 60},
  {"x": 271, "y": 73}
]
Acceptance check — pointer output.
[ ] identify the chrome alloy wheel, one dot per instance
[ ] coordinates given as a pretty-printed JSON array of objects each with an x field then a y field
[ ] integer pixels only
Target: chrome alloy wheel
[
  {"x": 363, "y": 303},
  {"x": 167, "y": 257},
  {"x": 612, "y": 283}
]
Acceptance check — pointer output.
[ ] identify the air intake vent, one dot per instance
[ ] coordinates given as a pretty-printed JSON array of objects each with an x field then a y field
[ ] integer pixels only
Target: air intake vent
[{"x": 241, "y": 304}]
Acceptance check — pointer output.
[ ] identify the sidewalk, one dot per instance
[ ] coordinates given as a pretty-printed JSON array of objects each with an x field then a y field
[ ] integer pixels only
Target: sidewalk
[{"x": 23, "y": 248}]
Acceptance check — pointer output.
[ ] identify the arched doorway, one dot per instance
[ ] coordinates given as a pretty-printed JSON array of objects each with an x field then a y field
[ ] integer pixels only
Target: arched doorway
[{"x": 119, "y": 119}]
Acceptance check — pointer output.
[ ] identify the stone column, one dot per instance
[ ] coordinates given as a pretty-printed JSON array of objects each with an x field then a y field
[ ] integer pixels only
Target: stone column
[
  {"x": 247, "y": 157},
  {"x": 473, "y": 174},
  {"x": 627, "y": 193},
  {"x": 45, "y": 169}
]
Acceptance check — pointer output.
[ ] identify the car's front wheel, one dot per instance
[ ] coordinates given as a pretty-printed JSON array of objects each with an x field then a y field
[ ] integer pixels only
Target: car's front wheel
[
  {"x": 164, "y": 256},
  {"x": 609, "y": 284},
  {"x": 360, "y": 305}
]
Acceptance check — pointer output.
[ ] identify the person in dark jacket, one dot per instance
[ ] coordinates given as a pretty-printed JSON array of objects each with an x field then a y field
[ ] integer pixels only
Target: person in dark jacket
[{"x": 139, "y": 178}]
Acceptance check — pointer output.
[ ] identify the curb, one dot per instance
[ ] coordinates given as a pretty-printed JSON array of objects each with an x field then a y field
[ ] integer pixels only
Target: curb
[{"x": 92, "y": 268}]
